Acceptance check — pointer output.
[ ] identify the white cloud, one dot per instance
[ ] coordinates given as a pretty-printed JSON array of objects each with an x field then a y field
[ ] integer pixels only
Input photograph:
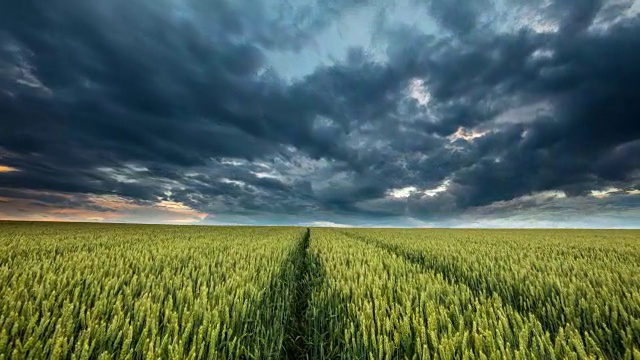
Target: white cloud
[
  {"x": 233, "y": 182},
  {"x": 601, "y": 194},
  {"x": 524, "y": 114},
  {"x": 268, "y": 175},
  {"x": 328, "y": 224},
  {"x": 406, "y": 192},
  {"x": 532, "y": 16},
  {"x": 232, "y": 161},
  {"x": 127, "y": 174},
  {"x": 402, "y": 193},
  {"x": 543, "y": 54},
  {"x": 536, "y": 198},
  {"x": 541, "y": 25},
  {"x": 466, "y": 134},
  {"x": 604, "y": 21},
  {"x": 419, "y": 92},
  {"x": 440, "y": 189},
  {"x": 21, "y": 69}
]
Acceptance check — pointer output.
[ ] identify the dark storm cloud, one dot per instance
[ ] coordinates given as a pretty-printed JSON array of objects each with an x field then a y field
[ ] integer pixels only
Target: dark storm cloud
[
  {"x": 591, "y": 90},
  {"x": 97, "y": 84},
  {"x": 178, "y": 101},
  {"x": 594, "y": 119},
  {"x": 459, "y": 16},
  {"x": 107, "y": 89},
  {"x": 576, "y": 15}
]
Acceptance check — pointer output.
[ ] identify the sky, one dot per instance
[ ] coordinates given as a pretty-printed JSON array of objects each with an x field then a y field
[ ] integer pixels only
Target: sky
[{"x": 409, "y": 113}]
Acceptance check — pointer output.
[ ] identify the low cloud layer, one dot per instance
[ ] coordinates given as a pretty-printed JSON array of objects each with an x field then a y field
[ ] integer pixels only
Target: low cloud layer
[{"x": 364, "y": 114}]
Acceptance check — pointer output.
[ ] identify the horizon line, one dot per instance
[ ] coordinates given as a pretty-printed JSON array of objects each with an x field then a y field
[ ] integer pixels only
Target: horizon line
[{"x": 314, "y": 226}]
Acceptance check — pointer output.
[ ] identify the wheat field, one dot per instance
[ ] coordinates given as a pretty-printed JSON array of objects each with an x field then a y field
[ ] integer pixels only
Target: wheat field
[{"x": 112, "y": 291}]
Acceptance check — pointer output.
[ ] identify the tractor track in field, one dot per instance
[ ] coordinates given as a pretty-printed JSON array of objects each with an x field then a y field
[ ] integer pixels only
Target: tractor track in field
[
  {"x": 296, "y": 343},
  {"x": 420, "y": 260}
]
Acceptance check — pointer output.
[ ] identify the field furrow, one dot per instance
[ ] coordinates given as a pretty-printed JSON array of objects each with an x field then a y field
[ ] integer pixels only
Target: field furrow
[
  {"x": 296, "y": 340},
  {"x": 380, "y": 306},
  {"x": 592, "y": 290}
]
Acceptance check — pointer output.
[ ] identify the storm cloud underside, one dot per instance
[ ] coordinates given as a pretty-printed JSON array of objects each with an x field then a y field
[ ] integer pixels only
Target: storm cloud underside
[{"x": 409, "y": 113}]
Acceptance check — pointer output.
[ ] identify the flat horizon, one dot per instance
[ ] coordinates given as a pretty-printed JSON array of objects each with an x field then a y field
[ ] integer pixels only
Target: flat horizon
[{"x": 315, "y": 226}]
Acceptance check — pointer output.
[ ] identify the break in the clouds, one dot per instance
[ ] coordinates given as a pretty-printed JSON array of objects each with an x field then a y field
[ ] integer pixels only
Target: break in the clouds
[{"x": 362, "y": 113}]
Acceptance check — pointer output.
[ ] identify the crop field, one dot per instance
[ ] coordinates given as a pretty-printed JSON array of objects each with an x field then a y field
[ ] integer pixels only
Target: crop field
[{"x": 107, "y": 291}]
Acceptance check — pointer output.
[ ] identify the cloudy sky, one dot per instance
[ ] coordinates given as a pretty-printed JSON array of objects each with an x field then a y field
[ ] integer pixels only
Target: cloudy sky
[{"x": 504, "y": 113}]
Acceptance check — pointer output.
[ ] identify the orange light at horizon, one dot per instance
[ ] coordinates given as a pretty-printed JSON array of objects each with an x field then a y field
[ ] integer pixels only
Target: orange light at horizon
[{"x": 112, "y": 208}]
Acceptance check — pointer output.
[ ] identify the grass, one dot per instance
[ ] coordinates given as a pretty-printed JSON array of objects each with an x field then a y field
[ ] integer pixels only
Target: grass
[{"x": 105, "y": 291}]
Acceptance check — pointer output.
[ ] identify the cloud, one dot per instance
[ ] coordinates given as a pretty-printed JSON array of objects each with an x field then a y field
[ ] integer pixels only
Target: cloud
[
  {"x": 553, "y": 209},
  {"x": 5, "y": 169},
  {"x": 459, "y": 16},
  {"x": 328, "y": 224},
  {"x": 48, "y": 206},
  {"x": 174, "y": 110},
  {"x": 466, "y": 135},
  {"x": 403, "y": 192}
]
